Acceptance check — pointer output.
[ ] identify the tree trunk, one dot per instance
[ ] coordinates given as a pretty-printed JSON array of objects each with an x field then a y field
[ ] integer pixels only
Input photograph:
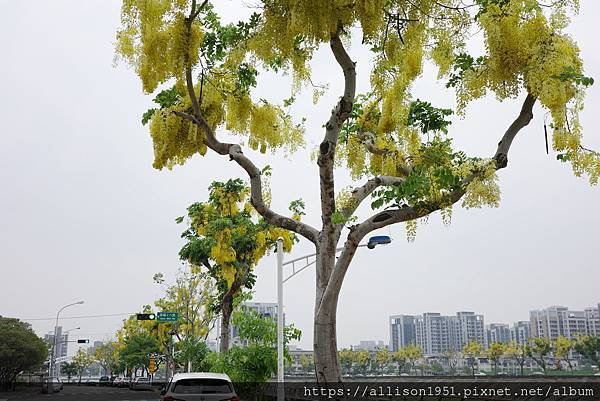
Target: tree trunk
[
  {"x": 329, "y": 277},
  {"x": 226, "y": 310},
  {"x": 522, "y": 368},
  {"x": 327, "y": 364}
]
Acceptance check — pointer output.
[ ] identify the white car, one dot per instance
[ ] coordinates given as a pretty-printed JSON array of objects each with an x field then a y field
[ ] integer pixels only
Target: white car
[
  {"x": 199, "y": 387},
  {"x": 141, "y": 383}
]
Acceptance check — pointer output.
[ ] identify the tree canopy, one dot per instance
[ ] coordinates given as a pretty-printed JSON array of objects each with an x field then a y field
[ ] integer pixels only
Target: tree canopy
[
  {"x": 256, "y": 362},
  {"x": 589, "y": 347},
  {"x": 20, "y": 350},
  {"x": 206, "y": 75},
  {"x": 526, "y": 49},
  {"x": 225, "y": 236}
]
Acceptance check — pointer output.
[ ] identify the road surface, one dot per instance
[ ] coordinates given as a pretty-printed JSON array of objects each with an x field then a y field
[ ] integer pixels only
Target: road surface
[{"x": 83, "y": 393}]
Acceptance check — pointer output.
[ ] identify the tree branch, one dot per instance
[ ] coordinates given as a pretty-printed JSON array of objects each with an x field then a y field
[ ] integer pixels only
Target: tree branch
[
  {"x": 256, "y": 197},
  {"x": 234, "y": 151},
  {"x": 332, "y": 128},
  {"x": 388, "y": 217},
  {"x": 188, "y": 69},
  {"x": 520, "y": 122},
  {"x": 359, "y": 194},
  {"x": 368, "y": 139}
]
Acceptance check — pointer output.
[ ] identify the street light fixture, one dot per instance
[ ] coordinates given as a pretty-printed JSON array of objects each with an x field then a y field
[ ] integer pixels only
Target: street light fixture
[
  {"x": 372, "y": 243},
  {"x": 52, "y": 370},
  {"x": 76, "y": 328}
]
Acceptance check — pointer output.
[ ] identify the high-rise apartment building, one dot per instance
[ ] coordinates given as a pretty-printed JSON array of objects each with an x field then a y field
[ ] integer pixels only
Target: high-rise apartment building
[
  {"x": 61, "y": 347},
  {"x": 402, "y": 331},
  {"x": 498, "y": 333},
  {"x": 62, "y": 342},
  {"x": 557, "y": 321},
  {"x": 592, "y": 318},
  {"x": 521, "y": 332},
  {"x": 370, "y": 345},
  {"x": 469, "y": 328},
  {"x": 92, "y": 349},
  {"x": 436, "y": 334}
]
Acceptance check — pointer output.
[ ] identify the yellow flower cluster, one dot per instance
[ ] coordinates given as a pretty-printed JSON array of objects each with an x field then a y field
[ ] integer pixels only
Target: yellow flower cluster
[
  {"x": 344, "y": 199},
  {"x": 528, "y": 48},
  {"x": 155, "y": 40},
  {"x": 484, "y": 189},
  {"x": 175, "y": 139},
  {"x": 229, "y": 203},
  {"x": 270, "y": 127}
]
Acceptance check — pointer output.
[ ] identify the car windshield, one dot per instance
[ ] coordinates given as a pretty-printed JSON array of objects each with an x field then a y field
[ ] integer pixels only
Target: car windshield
[{"x": 202, "y": 386}]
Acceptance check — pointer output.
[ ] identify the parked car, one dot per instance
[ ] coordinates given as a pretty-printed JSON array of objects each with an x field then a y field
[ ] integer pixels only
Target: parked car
[
  {"x": 125, "y": 382},
  {"x": 104, "y": 381},
  {"x": 199, "y": 387},
  {"x": 117, "y": 382},
  {"x": 92, "y": 381},
  {"x": 141, "y": 383}
]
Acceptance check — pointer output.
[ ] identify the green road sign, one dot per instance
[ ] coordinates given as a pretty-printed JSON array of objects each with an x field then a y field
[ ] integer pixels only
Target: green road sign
[{"x": 167, "y": 316}]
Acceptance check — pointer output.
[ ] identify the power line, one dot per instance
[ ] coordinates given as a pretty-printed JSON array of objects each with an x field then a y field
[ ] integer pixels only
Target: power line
[
  {"x": 95, "y": 334},
  {"x": 79, "y": 317}
]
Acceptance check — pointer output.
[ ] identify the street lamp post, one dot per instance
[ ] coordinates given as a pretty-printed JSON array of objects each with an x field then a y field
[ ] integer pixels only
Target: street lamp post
[
  {"x": 280, "y": 389},
  {"x": 52, "y": 369},
  {"x": 372, "y": 243}
]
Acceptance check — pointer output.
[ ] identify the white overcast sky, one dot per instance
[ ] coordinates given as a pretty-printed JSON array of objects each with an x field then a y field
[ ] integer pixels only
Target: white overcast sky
[{"x": 85, "y": 216}]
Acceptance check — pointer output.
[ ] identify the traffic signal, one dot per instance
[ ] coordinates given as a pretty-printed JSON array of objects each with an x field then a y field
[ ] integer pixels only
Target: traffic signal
[
  {"x": 86, "y": 341},
  {"x": 146, "y": 316}
]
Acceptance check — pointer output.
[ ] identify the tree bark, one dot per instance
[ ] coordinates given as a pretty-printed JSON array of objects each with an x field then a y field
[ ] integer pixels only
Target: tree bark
[
  {"x": 326, "y": 358},
  {"x": 226, "y": 310}
]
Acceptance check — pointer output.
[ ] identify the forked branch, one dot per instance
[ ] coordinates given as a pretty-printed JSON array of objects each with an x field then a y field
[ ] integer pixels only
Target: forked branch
[{"x": 388, "y": 217}]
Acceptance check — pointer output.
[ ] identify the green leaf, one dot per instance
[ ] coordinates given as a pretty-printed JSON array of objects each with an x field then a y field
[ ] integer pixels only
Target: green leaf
[
  {"x": 147, "y": 116},
  {"x": 427, "y": 118},
  {"x": 571, "y": 74},
  {"x": 167, "y": 98}
]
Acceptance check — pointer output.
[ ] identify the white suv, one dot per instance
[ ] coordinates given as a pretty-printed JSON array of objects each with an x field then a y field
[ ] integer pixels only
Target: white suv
[{"x": 199, "y": 387}]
